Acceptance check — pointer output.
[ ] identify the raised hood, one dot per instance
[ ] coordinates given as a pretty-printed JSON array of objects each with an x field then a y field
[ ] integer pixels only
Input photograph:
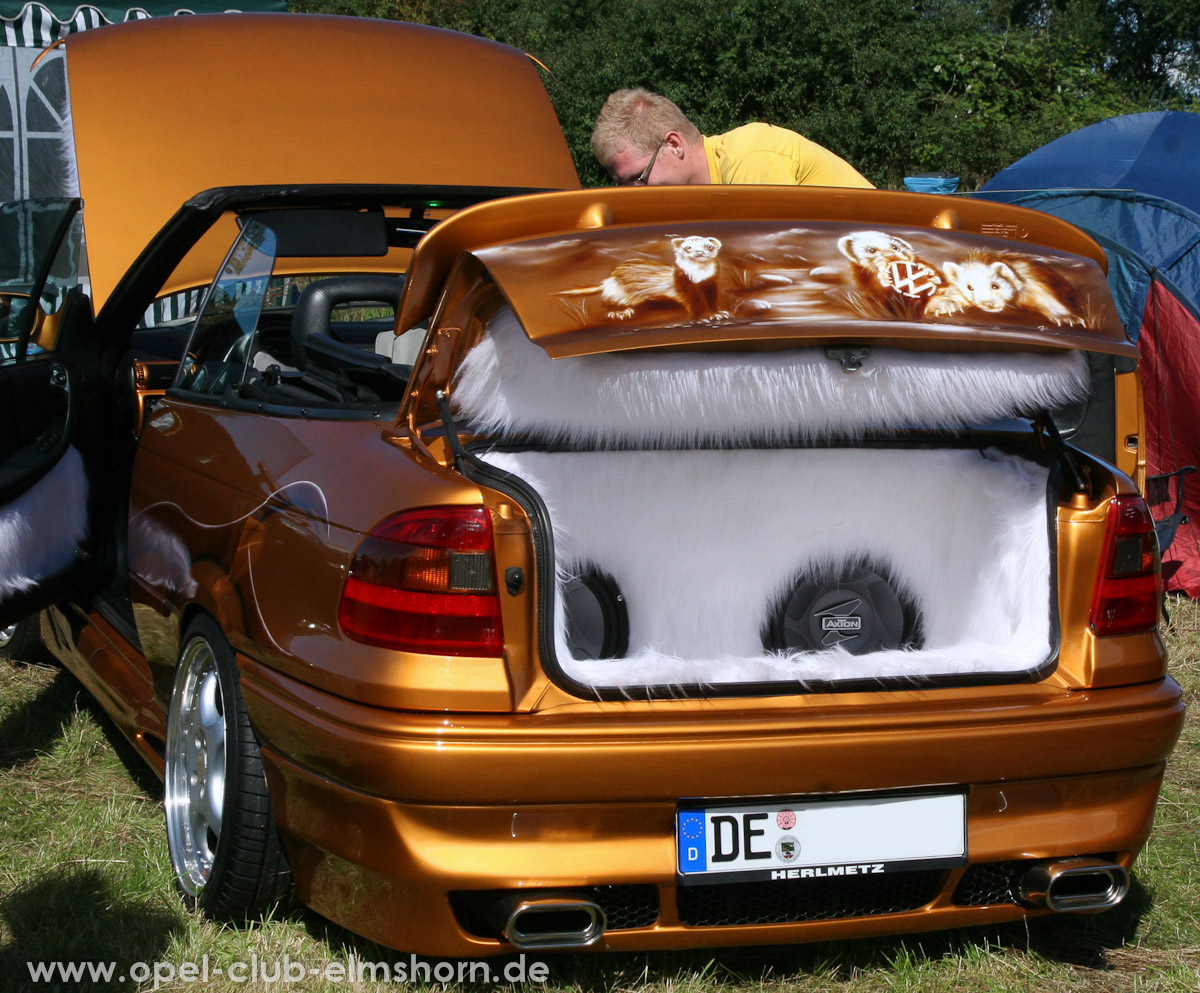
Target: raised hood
[
  {"x": 165, "y": 108},
  {"x": 688, "y": 268}
]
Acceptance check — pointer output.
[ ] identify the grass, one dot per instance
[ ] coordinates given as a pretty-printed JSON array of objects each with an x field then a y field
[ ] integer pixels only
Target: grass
[{"x": 84, "y": 876}]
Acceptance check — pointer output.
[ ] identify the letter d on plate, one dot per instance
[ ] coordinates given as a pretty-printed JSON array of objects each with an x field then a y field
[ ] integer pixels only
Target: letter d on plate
[{"x": 693, "y": 845}]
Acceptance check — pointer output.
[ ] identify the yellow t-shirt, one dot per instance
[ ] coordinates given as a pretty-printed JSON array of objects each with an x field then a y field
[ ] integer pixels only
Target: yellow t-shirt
[{"x": 763, "y": 153}]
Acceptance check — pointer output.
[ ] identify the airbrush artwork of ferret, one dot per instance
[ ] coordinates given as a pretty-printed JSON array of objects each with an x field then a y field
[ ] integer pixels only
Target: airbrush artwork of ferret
[
  {"x": 993, "y": 282},
  {"x": 691, "y": 282},
  {"x": 886, "y": 269}
]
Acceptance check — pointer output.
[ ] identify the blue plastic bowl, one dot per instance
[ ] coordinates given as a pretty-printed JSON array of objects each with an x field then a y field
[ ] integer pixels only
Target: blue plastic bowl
[{"x": 931, "y": 183}]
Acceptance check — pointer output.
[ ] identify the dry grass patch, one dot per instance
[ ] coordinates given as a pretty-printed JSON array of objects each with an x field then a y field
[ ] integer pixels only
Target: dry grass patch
[{"x": 84, "y": 876}]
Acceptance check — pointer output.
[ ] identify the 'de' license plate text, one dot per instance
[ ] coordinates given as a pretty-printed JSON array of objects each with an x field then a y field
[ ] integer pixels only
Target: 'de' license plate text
[{"x": 817, "y": 839}]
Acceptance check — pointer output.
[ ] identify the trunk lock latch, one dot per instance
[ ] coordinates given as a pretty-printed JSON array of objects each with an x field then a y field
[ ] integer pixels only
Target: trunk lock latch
[{"x": 851, "y": 359}]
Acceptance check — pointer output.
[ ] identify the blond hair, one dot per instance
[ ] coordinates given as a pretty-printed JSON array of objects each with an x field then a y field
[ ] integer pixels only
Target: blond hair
[{"x": 638, "y": 119}]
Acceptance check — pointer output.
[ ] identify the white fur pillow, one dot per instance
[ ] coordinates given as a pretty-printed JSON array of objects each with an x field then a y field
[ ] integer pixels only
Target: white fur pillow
[{"x": 508, "y": 384}]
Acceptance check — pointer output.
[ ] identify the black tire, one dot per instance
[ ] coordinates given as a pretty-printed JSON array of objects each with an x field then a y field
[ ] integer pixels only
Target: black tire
[
  {"x": 22, "y": 641},
  {"x": 228, "y": 859}
]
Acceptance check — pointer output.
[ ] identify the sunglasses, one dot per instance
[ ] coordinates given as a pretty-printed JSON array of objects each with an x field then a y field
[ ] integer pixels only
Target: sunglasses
[{"x": 641, "y": 177}]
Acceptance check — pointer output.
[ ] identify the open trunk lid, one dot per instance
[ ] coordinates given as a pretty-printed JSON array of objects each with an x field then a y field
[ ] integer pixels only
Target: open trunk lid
[
  {"x": 785, "y": 479},
  {"x": 773, "y": 267}
]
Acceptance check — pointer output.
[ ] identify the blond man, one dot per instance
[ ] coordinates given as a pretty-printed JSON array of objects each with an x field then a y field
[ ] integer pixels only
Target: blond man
[{"x": 643, "y": 139}]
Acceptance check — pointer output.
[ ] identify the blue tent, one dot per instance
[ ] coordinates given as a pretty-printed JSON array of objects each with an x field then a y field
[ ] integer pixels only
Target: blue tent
[
  {"x": 1131, "y": 182},
  {"x": 1164, "y": 234},
  {"x": 1154, "y": 153},
  {"x": 1153, "y": 249}
]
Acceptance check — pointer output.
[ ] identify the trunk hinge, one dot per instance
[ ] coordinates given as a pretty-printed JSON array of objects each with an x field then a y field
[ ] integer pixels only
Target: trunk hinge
[
  {"x": 1051, "y": 440},
  {"x": 457, "y": 451}
]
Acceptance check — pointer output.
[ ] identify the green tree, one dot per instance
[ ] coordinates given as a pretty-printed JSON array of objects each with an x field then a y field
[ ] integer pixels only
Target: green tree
[
  {"x": 1151, "y": 44},
  {"x": 894, "y": 86}
]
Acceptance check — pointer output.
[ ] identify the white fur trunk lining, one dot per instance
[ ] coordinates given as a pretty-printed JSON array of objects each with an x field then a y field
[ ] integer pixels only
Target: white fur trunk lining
[
  {"x": 703, "y": 544},
  {"x": 507, "y": 383},
  {"x": 42, "y": 528}
]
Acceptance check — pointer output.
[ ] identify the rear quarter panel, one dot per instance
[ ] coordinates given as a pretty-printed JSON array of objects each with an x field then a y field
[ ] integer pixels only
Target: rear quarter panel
[{"x": 255, "y": 519}]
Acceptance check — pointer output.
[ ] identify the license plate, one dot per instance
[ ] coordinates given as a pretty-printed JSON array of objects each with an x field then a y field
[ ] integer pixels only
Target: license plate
[{"x": 820, "y": 839}]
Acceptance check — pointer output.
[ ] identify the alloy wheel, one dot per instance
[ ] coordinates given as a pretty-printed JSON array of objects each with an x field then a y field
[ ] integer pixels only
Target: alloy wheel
[{"x": 195, "y": 766}]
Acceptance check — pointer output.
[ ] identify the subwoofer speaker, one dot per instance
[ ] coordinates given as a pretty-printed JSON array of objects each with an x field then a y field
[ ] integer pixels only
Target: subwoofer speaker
[
  {"x": 856, "y": 607},
  {"x": 597, "y": 621}
]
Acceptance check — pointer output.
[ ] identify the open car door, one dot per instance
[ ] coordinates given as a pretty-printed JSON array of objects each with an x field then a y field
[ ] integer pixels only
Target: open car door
[{"x": 44, "y": 493}]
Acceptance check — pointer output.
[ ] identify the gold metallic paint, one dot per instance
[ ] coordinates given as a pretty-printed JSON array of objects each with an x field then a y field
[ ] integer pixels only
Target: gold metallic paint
[
  {"x": 165, "y": 108},
  {"x": 1130, "y": 426},
  {"x": 780, "y": 283},
  {"x": 570, "y": 213},
  {"x": 398, "y": 778},
  {"x": 718, "y": 747},
  {"x": 378, "y": 759},
  {"x": 112, "y": 671},
  {"x": 404, "y": 854},
  {"x": 271, "y": 570}
]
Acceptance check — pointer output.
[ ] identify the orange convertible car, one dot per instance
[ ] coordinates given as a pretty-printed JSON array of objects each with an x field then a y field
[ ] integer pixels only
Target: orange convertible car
[{"x": 639, "y": 568}]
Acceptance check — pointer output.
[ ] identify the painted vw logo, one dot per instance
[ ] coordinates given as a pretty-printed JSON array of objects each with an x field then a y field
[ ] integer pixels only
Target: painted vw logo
[{"x": 912, "y": 278}]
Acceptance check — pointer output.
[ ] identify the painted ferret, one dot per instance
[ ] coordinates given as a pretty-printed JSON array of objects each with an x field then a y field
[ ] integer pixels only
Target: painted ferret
[
  {"x": 886, "y": 269},
  {"x": 993, "y": 282},
  {"x": 691, "y": 282}
]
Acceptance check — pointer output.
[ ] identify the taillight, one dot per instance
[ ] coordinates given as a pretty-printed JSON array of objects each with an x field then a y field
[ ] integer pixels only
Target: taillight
[
  {"x": 425, "y": 581},
  {"x": 1129, "y": 590}
]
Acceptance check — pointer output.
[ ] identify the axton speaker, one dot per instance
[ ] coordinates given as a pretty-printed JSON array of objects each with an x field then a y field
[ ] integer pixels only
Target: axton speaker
[
  {"x": 597, "y": 621},
  {"x": 856, "y": 607}
]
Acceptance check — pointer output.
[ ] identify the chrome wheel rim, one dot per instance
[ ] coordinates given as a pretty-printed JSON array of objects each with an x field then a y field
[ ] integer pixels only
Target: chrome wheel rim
[
  {"x": 6, "y": 634},
  {"x": 195, "y": 766}
]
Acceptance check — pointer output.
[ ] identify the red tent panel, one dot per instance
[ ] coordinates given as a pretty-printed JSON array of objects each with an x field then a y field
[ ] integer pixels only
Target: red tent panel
[{"x": 1170, "y": 350}]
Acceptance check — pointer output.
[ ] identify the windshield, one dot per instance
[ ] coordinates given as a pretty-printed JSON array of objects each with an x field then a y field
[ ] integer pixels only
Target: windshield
[{"x": 220, "y": 343}]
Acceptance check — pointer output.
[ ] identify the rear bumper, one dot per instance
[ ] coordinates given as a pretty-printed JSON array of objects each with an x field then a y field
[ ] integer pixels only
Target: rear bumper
[
  {"x": 394, "y": 820},
  {"x": 413, "y": 877}
]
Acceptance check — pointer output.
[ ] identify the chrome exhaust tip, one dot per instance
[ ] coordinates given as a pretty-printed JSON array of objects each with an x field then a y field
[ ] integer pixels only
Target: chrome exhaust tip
[
  {"x": 1067, "y": 885},
  {"x": 548, "y": 920}
]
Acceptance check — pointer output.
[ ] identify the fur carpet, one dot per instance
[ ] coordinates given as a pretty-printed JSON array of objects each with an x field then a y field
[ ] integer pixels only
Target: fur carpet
[
  {"x": 670, "y": 399},
  {"x": 703, "y": 544},
  {"x": 41, "y": 529}
]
